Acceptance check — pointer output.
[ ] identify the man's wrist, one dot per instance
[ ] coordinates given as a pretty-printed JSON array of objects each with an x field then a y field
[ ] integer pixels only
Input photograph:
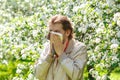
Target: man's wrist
[
  {"x": 62, "y": 57},
  {"x": 59, "y": 54}
]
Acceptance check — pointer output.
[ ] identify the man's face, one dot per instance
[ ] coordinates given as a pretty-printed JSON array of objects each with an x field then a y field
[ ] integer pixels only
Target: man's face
[{"x": 58, "y": 28}]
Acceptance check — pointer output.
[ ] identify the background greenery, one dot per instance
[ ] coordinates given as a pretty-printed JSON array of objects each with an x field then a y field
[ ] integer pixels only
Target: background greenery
[{"x": 23, "y": 29}]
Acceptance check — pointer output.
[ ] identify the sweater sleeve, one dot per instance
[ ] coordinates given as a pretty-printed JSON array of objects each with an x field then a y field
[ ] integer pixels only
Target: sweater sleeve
[
  {"x": 43, "y": 64},
  {"x": 74, "y": 66}
]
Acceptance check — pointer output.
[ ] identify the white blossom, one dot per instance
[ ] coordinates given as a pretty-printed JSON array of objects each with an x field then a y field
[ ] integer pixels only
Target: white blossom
[
  {"x": 24, "y": 56},
  {"x": 27, "y": 0},
  {"x": 114, "y": 58},
  {"x": 93, "y": 25},
  {"x": 85, "y": 18},
  {"x": 118, "y": 34},
  {"x": 75, "y": 8},
  {"x": 15, "y": 78},
  {"x": 114, "y": 46},
  {"x": 35, "y": 33},
  {"x": 115, "y": 41},
  {"x": 1, "y": 55},
  {"x": 84, "y": 30},
  {"x": 21, "y": 66},
  {"x": 107, "y": 65},
  {"x": 5, "y": 62},
  {"x": 79, "y": 29},
  {"x": 98, "y": 78},
  {"x": 101, "y": 25},
  {"x": 104, "y": 77},
  {"x": 97, "y": 48},
  {"x": 99, "y": 30},
  {"x": 31, "y": 24},
  {"x": 18, "y": 71},
  {"x": 116, "y": 16},
  {"x": 110, "y": 2},
  {"x": 30, "y": 77},
  {"x": 83, "y": 5},
  {"x": 99, "y": 11},
  {"x": 97, "y": 40},
  {"x": 118, "y": 22},
  {"x": 31, "y": 67}
]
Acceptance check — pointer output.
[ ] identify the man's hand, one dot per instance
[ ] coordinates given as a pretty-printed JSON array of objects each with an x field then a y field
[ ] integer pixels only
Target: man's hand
[{"x": 57, "y": 43}]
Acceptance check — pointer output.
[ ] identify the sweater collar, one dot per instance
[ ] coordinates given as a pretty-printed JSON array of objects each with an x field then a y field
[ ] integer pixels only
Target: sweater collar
[{"x": 70, "y": 46}]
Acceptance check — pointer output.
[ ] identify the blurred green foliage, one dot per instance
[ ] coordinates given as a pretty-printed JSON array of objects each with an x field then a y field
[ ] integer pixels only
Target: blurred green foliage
[{"x": 23, "y": 27}]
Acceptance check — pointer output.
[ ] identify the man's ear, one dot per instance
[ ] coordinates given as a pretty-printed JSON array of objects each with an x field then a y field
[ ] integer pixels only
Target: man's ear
[{"x": 68, "y": 32}]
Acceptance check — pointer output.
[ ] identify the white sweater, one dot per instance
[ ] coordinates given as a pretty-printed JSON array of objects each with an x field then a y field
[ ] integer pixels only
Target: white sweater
[{"x": 69, "y": 66}]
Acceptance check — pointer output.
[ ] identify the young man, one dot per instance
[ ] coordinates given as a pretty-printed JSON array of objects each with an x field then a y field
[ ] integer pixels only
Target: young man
[{"x": 64, "y": 58}]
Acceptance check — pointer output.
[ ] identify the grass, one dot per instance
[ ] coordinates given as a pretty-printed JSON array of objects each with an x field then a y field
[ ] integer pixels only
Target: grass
[{"x": 115, "y": 76}]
